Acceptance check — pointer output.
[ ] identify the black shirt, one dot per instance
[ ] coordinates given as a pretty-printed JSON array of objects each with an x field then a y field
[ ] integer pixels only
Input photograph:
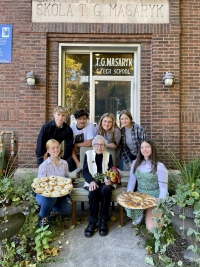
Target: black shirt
[{"x": 50, "y": 131}]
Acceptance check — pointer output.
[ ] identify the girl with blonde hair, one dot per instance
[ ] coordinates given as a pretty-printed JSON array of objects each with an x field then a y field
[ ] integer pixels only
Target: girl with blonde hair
[{"x": 108, "y": 128}]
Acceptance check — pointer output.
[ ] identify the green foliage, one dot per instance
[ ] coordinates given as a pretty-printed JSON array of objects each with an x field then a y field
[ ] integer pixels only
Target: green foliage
[
  {"x": 9, "y": 253},
  {"x": 174, "y": 179},
  {"x": 76, "y": 92},
  {"x": 184, "y": 189},
  {"x": 42, "y": 242}
]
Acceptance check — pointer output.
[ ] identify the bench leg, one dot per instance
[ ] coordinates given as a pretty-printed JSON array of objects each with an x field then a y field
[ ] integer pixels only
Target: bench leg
[
  {"x": 113, "y": 205},
  {"x": 121, "y": 215},
  {"x": 82, "y": 205},
  {"x": 74, "y": 213}
]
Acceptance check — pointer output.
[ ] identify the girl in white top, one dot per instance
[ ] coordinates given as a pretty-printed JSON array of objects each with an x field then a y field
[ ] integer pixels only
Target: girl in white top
[{"x": 152, "y": 178}]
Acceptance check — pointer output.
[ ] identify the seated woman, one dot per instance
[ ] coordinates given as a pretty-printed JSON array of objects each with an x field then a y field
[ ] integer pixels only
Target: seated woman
[
  {"x": 96, "y": 161},
  {"x": 108, "y": 128},
  {"x": 52, "y": 165},
  {"x": 152, "y": 178}
]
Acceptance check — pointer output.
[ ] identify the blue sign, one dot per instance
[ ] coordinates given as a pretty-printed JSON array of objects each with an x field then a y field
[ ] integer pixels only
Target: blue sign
[{"x": 5, "y": 43}]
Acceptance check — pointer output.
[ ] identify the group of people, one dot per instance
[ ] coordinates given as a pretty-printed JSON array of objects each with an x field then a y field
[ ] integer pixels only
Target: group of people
[{"x": 130, "y": 142}]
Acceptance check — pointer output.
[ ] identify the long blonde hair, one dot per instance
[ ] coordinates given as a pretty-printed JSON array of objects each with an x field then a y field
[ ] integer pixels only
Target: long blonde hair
[
  {"x": 48, "y": 144},
  {"x": 111, "y": 132}
]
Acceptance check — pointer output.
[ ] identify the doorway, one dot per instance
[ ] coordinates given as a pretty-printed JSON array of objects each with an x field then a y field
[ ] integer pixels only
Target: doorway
[
  {"x": 100, "y": 79},
  {"x": 111, "y": 95}
]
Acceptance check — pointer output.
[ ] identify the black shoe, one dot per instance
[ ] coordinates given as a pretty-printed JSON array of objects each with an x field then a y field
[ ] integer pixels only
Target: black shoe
[
  {"x": 42, "y": 222},
  {"x": 89, "y": 231},
  {"x": 103, "y": 228},
  {"x": 52, "y": 216}
]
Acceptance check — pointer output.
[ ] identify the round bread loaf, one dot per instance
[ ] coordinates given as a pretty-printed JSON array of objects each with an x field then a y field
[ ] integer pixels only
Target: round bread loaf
[
  {"x": 39, "y": 190},
  {"x": 37, "y": 180},
  {"x": 52, "y": 183},
  {"x": 46, "y": 193},
  {"x": 52, "y": 178},
  {"x": 35, "y": 185},
  {"x": 68, "y": 187},
  {"x": 68, "y": 180},
  {"x": 44, "y": 179},
  {"x": 55, "y": 194},
  {"x": 43, "y": 184}
]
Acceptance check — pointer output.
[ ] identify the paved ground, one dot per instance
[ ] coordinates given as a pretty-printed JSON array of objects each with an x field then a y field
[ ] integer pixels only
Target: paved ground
[{"x": 120, "y": 248}]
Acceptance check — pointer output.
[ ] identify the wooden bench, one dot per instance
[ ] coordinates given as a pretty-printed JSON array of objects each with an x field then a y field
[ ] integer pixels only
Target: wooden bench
[{"x": 81, "y": 195}]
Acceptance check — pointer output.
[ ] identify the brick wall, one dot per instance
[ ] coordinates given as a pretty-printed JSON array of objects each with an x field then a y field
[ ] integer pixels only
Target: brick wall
[
  {"x": 169, "y": 114},
  {"x": 190, "y": 78}
]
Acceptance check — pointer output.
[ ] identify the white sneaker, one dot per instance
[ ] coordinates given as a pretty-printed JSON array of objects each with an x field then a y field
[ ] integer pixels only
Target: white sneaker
[{"x": 138, "y": 221}]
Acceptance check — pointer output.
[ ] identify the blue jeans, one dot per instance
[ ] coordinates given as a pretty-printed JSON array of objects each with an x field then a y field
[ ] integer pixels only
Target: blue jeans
[{"x": 60, "y": 205}]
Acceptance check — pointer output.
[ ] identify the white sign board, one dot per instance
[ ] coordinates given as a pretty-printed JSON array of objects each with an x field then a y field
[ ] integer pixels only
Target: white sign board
[{"x": 101, "y": 11}]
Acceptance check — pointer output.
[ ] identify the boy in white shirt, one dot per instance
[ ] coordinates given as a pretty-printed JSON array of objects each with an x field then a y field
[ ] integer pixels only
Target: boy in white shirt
[{"x": 83, "y": 135}]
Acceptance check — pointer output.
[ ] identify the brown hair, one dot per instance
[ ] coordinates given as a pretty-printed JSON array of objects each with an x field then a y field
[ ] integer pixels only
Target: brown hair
[
  {"x": 48, "y": 144},
  {"x": 127, "y": 113},
  {"x": 112, "y": 130},
  {"x": 153, "y": 157}
]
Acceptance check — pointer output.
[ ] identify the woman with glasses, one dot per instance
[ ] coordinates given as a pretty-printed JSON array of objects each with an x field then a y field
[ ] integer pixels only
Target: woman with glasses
[
  {"x": 83, "y": 135},
  {"x": 98, "y": 161},
  {"x": 108, "y": 128}
]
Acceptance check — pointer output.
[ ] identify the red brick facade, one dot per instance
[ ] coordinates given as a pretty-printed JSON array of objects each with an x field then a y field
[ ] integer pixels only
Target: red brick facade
[{"x": 170, "y": 115}]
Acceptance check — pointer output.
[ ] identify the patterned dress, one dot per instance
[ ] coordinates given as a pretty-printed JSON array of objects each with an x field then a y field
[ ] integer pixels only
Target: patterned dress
[{"x": 151, "y": 187}]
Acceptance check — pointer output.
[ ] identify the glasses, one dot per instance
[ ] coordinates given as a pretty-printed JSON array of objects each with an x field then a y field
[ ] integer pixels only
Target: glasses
[{"x": 99, "y": 145}]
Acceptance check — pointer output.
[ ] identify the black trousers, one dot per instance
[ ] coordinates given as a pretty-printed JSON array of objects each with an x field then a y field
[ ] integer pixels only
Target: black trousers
[
  {"x": 72, "y": 164},
  {"x": 102, "y": 195}
]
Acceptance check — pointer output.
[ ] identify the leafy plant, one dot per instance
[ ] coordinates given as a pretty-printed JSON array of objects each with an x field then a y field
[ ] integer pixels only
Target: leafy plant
[
  {"x": 42, "y": 241},
  {"x": 186, "y": 194},
  {"x": 27, "y": 247}
]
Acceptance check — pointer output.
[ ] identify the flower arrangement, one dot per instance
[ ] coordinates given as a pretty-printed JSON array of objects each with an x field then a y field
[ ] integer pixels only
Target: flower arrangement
[{"x": 112, "y": 175}]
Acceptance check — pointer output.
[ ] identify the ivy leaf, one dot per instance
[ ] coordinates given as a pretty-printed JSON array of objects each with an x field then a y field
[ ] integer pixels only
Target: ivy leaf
[
  {"x": 190, "y": 231},
  {"x": 197, "y": 205},
  {"x": 190, "y": 201},
  {"x": 149, "y": 261}
]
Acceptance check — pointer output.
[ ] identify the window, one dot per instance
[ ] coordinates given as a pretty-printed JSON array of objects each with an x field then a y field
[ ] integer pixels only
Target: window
[{"x": 100, "y": 79}]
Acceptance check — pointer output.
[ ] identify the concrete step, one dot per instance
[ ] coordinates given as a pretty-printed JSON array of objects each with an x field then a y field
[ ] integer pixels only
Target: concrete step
[{"x": 23, "y": 172}]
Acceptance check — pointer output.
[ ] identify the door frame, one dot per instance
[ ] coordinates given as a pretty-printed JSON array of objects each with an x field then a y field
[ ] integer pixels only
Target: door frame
[{"x": 114, "y": 48}]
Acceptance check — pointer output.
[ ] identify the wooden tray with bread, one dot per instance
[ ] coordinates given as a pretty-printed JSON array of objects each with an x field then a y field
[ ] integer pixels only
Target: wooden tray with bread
[
  {"x": 136, "y": 200},
  {"x": 52, "y": 186}
]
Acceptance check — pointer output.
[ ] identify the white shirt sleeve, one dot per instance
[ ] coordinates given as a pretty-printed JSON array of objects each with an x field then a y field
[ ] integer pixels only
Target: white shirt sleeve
[
  {"x": 42, "y": 170},
  {"x": 162, "y": 173},
  {"x": 89, "y": 133},
  {"x": 132, "y": 179}
]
